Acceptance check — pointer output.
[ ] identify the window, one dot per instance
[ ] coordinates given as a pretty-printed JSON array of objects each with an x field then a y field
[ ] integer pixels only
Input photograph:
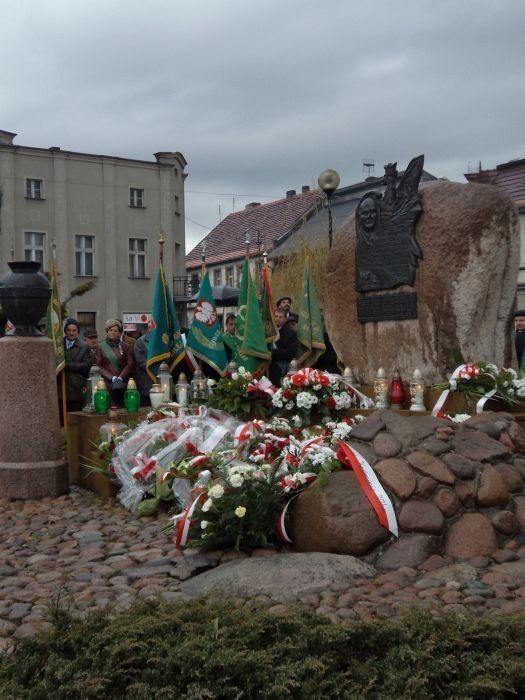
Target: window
[
  {"x": 86, "y": 319},
  {"x": 136, "y": 198},
  {"x": 84, "y": 256},
  {"x": 34, "y": 246},
  {"x": 217, "y": 277},
  {"x": 230, "y": 277},
  {"x": 34, "y": 188},
  {"x": 177, "y": 205},
  {"x": 137, "y": 257},
  {"x": 239, "y": 275}
]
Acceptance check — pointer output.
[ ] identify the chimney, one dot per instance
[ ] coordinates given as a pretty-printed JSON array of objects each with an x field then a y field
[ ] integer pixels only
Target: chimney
[
  {"x": 290, "y": 194},
  {"x": 305, "y": 188},
  {"x": 6, "y": 138},
  {"x": 252, "y": 205}
]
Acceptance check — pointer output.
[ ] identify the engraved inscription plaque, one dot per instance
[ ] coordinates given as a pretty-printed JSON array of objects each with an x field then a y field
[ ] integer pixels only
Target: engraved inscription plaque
[{"x": 387, "y": 307}]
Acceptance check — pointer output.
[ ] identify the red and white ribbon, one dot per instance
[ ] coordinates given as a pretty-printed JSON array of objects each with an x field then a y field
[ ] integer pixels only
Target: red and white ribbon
[
  {"x": 247, "y": 431},
  {"x": 183, "y": 523},
  {"x": 371, "y": 486},
  {"x": 144, "y": 466},
  {"x": 263, "y": 385},
  {"x": 281, "y": 528}
]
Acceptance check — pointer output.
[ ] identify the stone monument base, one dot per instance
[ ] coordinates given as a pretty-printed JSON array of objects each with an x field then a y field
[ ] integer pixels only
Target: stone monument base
[
  {"x": 32, "y": 463},
  {"x": 33, "y": 479}
]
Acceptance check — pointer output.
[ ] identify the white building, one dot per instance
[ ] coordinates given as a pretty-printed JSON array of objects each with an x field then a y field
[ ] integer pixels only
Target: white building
[{"x": 104, "y": 214}]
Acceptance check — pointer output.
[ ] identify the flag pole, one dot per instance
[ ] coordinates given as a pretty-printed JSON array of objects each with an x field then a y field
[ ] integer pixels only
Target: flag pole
[{"x": 161, "y": 244}]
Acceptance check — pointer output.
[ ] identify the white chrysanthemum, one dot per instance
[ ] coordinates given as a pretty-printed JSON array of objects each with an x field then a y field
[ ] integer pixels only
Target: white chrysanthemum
[
  {"x": 297, "y": 421},
  {"x": 207, "y": 505},
  {"x": 236, "y": 480},
  {"x": 277, "y": 399},
  {"x": 216, "y": 491},
  {"x": 240, "y": 511}
]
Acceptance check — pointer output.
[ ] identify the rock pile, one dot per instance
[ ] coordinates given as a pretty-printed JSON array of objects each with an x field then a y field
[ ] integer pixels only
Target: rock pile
[{"x": 457, "y": 489}]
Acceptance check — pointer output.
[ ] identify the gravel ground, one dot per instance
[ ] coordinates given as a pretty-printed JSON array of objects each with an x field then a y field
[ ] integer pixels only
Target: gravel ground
[{"x": 87, "y": 553}]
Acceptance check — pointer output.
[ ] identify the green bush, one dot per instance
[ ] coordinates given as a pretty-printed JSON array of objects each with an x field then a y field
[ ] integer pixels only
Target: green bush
[{"x": 207, "y": 649}]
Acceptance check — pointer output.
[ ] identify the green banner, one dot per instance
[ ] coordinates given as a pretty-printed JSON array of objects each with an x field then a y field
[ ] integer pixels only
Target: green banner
[
  {"x": 165, "y": 341},
  {"x": 205, "y": 335},
  {"x": 54, "y": 320},
  {"x": 250, "y": 325},
  {"x": 310, "y": 327}
]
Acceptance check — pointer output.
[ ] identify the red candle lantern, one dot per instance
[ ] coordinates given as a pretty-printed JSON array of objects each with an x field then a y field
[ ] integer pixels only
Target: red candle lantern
[{"x": 397, "y": 391}]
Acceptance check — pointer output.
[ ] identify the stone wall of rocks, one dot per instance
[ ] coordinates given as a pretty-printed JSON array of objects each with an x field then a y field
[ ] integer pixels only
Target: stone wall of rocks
[{"x": 457, "y": 489}]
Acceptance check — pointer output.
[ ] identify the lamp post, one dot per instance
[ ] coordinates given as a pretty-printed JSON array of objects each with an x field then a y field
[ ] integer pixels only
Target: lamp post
[{"x": 328, "y": 181}]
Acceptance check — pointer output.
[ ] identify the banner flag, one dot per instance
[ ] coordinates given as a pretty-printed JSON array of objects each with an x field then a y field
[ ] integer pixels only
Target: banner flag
[
  {"x": 54, "y": 319},
  {"x": 310, "y": 327},
  {"x": 205, "y": 335},
  {"x": 268, "y": 307},
  {"x": 250, "y": 326},
  {"x": 165, "y": 341}
]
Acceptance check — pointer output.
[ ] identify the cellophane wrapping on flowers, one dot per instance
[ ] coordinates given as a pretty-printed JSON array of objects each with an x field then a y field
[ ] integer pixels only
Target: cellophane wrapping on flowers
[{"x": 156, "y": 445}]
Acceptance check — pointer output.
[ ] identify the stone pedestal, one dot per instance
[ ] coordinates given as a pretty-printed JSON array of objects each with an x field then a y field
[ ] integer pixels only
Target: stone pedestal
[{"x": 32, "y": 464}]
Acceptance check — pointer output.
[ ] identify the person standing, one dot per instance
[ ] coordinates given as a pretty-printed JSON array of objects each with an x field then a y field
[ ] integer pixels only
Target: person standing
[
  {"x": 284, "y": 304},
  {"x": 284, "y": 348},
  {"x": 142, "y": 377},
  {"x": 519, "y": 338},
  {"x": 91, "y": 340},
  {"x": 116, "y": 362},
  {"x": 78, "y": 362}
]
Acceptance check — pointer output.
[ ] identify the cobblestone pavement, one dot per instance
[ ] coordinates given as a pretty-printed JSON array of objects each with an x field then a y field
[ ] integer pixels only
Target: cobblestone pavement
[{"x": 86, "y": 553}]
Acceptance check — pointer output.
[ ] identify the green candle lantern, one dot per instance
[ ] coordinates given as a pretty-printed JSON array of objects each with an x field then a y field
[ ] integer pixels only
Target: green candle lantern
[
  {"x": 132, "y": 397},
  {"x": 101, "y": 398}
]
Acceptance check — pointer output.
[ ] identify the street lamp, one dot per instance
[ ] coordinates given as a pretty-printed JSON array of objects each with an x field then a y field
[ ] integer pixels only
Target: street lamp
[{"x": 328, "y": 181}]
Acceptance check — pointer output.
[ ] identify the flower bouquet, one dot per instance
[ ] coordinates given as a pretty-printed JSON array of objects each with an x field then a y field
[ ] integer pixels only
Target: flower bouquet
[
  {"x": 243, "y": 395},
  {"x": 310, "y": 394},
  {"x": 483, "y": 381}
]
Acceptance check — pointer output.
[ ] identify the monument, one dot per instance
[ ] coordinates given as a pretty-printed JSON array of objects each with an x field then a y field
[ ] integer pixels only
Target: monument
[
  {"x": 421, "y": 297},
  {"x": 32, "y": 464}
]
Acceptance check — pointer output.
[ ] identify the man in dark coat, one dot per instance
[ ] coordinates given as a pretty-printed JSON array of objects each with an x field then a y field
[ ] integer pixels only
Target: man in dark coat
[
  {"x": 142, "y": 377},
  {"x": 78, "y": 362},
  {"x": 285, "y": 347},
  {"x": 519, "y": 338}
]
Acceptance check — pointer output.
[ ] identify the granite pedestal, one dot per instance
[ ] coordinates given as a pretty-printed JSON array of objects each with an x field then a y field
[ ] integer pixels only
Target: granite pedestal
[{"x": 32, "y": 464}]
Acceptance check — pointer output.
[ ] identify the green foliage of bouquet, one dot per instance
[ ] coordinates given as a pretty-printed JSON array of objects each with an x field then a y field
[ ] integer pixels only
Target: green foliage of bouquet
[
  {"x": 240, "y": 508},
  {"x": 242, "y": 395}
]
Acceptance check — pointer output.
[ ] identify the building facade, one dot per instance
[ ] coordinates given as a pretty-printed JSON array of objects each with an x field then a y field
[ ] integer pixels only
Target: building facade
[
  {"x": 103, "y": 216},
  {"x": 251, "y": 232}
]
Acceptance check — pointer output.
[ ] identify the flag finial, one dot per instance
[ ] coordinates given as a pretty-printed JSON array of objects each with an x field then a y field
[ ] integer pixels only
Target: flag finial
[{"x": 162, "y": 239}]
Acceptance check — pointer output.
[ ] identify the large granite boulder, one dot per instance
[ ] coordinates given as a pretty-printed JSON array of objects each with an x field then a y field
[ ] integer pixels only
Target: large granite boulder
[
  {"x": 465, "y": 283},
  {"x": 448, "y": 505}
]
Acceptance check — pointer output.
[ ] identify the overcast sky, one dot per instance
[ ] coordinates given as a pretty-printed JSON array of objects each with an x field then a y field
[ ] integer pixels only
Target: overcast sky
[{"x": 260, "y": 97}]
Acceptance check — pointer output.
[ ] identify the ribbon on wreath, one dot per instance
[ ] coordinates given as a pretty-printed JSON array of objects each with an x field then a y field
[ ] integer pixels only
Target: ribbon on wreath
[
  {"x": 144, "y": 466},
  {"x": 247, "y": 431},
  {"x": 365, "y": 401},
  {"x": 371, "y": 486},
  {"x": 183, "y": 522},
  {"x": 466, "y": 371}
]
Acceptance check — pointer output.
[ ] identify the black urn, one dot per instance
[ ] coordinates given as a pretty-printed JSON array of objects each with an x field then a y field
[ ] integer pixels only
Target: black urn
[{"x": 24, "y": 296}]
